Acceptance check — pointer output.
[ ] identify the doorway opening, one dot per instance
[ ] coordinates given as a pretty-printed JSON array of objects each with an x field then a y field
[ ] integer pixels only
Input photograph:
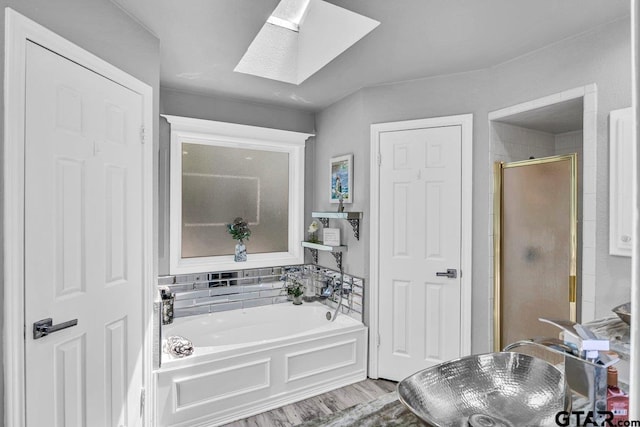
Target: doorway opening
[
  {"x": 537, "y": 249},
  {"x": 555, "y": 125}
]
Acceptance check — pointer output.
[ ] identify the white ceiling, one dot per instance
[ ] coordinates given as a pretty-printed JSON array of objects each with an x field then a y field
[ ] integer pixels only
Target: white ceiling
[
  {"x": 291, "y": 50},
  {"x": 201, "y": 41},
  {"x": 556, "y": 118}
]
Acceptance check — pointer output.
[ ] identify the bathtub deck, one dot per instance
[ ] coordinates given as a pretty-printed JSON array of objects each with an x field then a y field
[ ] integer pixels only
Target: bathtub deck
[{"x": 319, "y": 406}]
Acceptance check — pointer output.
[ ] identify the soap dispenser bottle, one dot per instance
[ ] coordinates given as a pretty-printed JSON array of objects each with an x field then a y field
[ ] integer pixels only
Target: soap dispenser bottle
[{"x": 617, "y": 400}]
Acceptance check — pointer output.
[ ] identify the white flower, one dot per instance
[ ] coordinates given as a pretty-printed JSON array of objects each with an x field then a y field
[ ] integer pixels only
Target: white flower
[{"x": 313, "y": 227}]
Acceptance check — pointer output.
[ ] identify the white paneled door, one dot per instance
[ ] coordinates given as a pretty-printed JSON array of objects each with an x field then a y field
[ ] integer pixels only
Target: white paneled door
[
  {"x": 420, "y": 249},
  {"x": 83, "y": 245}
]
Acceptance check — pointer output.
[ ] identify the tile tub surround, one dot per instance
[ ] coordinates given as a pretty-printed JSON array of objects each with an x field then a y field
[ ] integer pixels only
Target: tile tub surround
[
  {"x": 353, "y": 289},
  {"x": 231, "y": 290}
]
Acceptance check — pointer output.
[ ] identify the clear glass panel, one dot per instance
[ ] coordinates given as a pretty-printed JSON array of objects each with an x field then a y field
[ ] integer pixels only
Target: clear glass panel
[
  {"x": 536, "y": 248},
  {"x": 222, "y": 183}
]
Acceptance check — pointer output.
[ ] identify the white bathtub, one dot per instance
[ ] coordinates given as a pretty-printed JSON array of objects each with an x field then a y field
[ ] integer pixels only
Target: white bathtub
[{"x": 252, "y": 360}]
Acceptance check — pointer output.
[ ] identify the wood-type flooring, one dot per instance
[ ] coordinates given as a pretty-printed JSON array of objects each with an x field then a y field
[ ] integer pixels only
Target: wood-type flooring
[{"x": 319, "y": 406}]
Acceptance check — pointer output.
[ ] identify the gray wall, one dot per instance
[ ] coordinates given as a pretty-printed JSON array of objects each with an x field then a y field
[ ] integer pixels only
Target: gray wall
[
  {"x": 104, "y": 30},
  {"x": 208, "y": 107},
  {"x": 601, "y": 56},
  {"x": 246, "y": 112},
  {"x": 343, "y": 131}
]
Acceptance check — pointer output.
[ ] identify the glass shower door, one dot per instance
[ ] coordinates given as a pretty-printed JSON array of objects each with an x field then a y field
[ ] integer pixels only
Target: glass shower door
[{"x": 535, "y": 243}]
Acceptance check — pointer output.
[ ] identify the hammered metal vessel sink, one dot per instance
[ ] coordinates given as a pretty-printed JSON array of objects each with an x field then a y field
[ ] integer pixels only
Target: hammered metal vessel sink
[
  {"x": 495, "y": 389},
  {"x": 624, "y": 312}
]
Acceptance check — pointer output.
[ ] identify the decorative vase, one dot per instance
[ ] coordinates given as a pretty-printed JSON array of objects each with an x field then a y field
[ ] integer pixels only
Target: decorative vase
[
  {"x": 309, "y": 290},
  {"x": 241, "y": 252},
  {"x": 297, "y": 300}
]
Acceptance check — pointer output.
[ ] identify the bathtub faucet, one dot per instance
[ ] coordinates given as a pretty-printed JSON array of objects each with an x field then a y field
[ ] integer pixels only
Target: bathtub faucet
[
  {"x": 166, "y": 299},
  {"x": 330, "y": 288}
]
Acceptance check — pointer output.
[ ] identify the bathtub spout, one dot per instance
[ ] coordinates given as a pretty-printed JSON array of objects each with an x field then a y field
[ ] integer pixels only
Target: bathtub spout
[{"x": 339, "y": 288}]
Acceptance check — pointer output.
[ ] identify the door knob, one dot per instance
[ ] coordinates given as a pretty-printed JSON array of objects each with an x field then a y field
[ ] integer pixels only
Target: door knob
[
  {"x": 451, "y": 273},
  {"x": 44, "y": 327}
]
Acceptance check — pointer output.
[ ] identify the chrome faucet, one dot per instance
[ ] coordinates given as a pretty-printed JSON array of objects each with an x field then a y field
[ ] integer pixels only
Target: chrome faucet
[
  {"x": 586, "y": 375},
  {"x": 587, "y": 345}
]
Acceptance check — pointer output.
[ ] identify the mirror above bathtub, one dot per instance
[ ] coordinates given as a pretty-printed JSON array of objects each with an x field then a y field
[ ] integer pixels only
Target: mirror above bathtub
[{"x": 220, "y": 171}]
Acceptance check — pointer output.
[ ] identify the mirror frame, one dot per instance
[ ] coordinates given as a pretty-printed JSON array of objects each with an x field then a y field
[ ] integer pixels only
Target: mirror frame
[{"x": 222, "y": 134}]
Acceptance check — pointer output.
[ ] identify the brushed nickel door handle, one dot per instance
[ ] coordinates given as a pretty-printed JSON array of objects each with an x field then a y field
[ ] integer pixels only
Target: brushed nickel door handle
[
  {"x": 44, "y": 327},
  {"x": 451, "y": 273}
]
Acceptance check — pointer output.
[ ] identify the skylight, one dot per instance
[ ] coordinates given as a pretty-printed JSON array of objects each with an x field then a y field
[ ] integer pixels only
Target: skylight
[
  {"x": 300, "y": 37},
  {"x": 289, "y": 13}
]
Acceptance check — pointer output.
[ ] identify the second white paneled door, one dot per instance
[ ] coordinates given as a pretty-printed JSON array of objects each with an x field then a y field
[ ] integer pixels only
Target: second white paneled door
[
  {"x": 420, "y": 249},
  {"x": 83, "y": 245}
]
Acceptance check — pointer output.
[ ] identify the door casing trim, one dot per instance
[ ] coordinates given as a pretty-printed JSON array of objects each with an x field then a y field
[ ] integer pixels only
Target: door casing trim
[
  {"x": 18, "y": 31},
  {"x": 466, "y": 123}
]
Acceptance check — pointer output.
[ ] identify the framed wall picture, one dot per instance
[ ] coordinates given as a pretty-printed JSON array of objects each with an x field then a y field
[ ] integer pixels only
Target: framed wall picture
[{"x": 341, "y": 174}]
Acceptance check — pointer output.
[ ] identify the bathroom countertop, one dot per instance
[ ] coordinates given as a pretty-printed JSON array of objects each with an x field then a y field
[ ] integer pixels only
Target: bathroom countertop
[
  {"x": 388, "y": 411},
  {"x": 616, "y": 331}
]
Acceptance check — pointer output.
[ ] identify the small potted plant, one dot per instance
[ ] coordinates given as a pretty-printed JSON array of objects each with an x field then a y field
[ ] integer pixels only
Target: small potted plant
[
  {"x": 295, "y": 289},
  {"x": 240, "y": 232}
]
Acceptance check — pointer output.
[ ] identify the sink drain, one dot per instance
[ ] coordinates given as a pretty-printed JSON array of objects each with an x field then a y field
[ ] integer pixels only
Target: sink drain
[{"x": 483, "y": 420}]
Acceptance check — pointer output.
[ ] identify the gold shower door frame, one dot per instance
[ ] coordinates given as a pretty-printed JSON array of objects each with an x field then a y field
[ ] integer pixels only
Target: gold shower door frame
[{"x": 499, "y": 168}]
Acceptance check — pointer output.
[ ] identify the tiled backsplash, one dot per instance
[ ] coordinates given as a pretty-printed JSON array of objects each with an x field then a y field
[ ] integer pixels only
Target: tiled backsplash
[
  {"x": 230, "y": 290},
  {"x": 353, "y": 289}
]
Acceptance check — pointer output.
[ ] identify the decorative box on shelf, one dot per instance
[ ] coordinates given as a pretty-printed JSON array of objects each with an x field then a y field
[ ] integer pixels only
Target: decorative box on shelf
[{"x": 331, "y": 236}]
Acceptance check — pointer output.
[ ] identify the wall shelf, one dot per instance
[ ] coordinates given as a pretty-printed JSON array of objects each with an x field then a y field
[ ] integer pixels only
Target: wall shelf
[
  {"x": 352, "y": 217},
  {"x": 325, "y": 248},
  {"x": 336, "y": 251}
]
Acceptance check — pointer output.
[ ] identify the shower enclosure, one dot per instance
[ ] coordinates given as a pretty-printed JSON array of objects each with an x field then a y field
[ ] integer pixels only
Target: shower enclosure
[{"x": 535, "y": 244}]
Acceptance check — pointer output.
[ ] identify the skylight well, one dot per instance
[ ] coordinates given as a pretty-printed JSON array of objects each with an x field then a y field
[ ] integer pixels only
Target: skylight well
[
  {"x": 300, "y": 37},
  {"x": 288, "y": 14}
]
